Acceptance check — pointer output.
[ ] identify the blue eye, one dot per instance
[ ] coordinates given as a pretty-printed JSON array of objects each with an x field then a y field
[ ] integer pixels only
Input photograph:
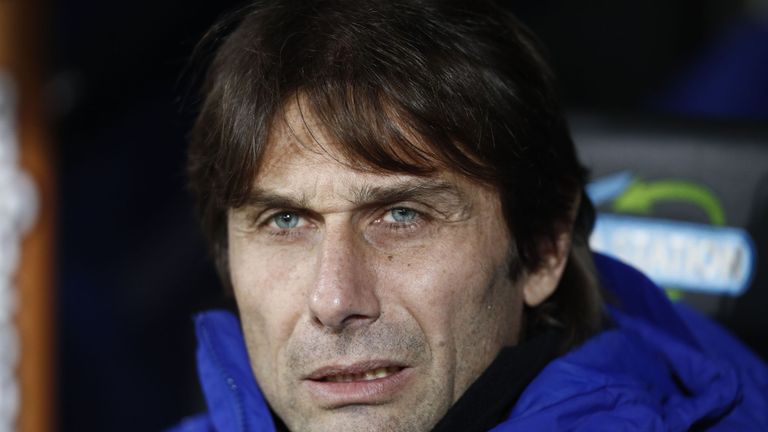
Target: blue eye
[
  {"x": 286, "y": 220},
  {"x": 403, "y": 214}
]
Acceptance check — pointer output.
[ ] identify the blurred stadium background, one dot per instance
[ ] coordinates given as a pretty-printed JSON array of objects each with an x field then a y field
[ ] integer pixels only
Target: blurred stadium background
[{"x": 669, "y": 103}]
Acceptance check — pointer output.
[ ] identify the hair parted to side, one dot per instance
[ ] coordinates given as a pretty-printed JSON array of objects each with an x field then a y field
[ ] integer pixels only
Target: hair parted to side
[{"x": 402, "y": 87}]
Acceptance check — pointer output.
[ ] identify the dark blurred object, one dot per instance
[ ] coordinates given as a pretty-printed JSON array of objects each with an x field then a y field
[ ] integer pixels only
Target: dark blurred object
[
  {"x": 727, "y": 79},
  {"x": 133, "y": 266},
  {"x": 612, "y": 55}
]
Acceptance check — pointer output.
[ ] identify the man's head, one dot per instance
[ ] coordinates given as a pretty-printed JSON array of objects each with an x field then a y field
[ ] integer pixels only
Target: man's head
[{"x": 391, "y": 191}]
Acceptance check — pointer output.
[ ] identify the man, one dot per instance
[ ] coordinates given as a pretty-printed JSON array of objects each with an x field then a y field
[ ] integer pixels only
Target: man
[{"x": 394, "y": 200}]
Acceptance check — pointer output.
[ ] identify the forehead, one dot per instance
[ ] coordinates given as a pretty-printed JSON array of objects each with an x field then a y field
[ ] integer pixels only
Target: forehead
[
  {"x": 300, "y": 150},
  {"x": 303, "y": 162},
  {"x": 373, "y": 137},
  {"x": 300, "y": 144}
]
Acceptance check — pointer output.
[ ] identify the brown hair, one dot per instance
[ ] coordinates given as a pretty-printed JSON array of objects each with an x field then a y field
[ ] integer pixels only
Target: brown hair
[{"x": 464, "y": 78}]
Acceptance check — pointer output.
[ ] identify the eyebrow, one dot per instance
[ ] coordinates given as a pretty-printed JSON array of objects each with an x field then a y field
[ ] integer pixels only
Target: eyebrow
[
  {"x": 265, "y": 199},
  {"x": 420, "y": 189},
  {"x": 437, "y": 192}
]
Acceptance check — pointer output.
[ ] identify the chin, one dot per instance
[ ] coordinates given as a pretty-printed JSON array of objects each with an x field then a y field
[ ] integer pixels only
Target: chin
[{"x": 367, "y": 418}]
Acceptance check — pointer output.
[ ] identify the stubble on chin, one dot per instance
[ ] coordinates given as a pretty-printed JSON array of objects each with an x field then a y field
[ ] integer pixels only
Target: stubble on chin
[{"x": 418, "y": 409}]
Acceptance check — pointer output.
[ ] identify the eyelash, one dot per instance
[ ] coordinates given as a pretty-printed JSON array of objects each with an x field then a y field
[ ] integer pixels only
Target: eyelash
[
  {"x": 419, "y": 219},
  {"x": 398, "y": 227},
  {"x": 266, "y": 223}
]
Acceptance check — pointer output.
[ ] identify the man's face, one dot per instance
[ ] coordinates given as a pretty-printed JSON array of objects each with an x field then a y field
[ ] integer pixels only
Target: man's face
[{"x": 368, "y": 301}]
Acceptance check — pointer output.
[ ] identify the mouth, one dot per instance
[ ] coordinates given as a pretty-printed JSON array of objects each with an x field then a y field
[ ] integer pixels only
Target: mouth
[
  {"x": 367, "y": 375},
  {"x": 367, "y": 383}
]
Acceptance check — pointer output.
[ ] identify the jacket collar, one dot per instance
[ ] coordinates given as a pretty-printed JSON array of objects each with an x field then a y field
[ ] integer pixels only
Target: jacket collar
[{"x": 234, "y": 399}]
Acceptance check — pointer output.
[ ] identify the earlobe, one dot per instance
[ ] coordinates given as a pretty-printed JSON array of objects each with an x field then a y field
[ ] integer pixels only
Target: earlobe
[{"x": 541, "y": 284}]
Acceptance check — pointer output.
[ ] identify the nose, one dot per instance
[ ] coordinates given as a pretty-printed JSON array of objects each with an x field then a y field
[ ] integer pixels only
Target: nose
[{"x": 342, "y": 294}]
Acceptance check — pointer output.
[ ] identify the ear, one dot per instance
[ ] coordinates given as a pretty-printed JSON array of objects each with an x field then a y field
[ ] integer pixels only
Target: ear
[{"x": 540, "y": 284}]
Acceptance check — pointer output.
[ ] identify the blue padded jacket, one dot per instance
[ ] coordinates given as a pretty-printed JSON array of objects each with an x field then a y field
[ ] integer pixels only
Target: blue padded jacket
[{"x": 659, "y": 367}]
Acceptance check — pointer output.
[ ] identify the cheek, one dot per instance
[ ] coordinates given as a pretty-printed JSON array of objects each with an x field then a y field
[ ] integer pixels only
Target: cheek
[
  {"x": 267, "y": 278},
  {"x": 446, "y": 284},
  {"x": 459, "y": 292},
  {"x": 268, "y": 288}
]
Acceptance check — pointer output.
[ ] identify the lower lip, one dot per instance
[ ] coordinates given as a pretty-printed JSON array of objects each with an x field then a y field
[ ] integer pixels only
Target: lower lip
[{"x": 330, "y": 394}]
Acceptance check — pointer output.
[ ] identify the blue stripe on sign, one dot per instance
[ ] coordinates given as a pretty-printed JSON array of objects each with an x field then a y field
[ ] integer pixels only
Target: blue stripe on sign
[
  {"x": 608, "y": 188},
  {"x": 688, "y": 256}
]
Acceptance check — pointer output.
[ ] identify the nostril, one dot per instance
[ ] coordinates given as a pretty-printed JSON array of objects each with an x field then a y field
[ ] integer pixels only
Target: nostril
[
  {"x": 340, "y": 323},
  {"x": 357, "y": 317},
  {"x": 316, "y": 321}
]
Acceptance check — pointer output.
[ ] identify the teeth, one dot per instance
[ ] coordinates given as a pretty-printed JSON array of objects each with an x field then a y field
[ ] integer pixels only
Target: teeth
[{"x": 364, "y": 376}]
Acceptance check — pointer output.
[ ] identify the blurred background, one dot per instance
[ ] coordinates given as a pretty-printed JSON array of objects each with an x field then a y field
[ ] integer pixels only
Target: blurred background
[{"x": 668, "y": 101}]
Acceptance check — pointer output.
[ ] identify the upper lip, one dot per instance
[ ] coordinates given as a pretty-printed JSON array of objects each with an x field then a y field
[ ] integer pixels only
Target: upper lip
[{"x": 354, "y": 368}]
